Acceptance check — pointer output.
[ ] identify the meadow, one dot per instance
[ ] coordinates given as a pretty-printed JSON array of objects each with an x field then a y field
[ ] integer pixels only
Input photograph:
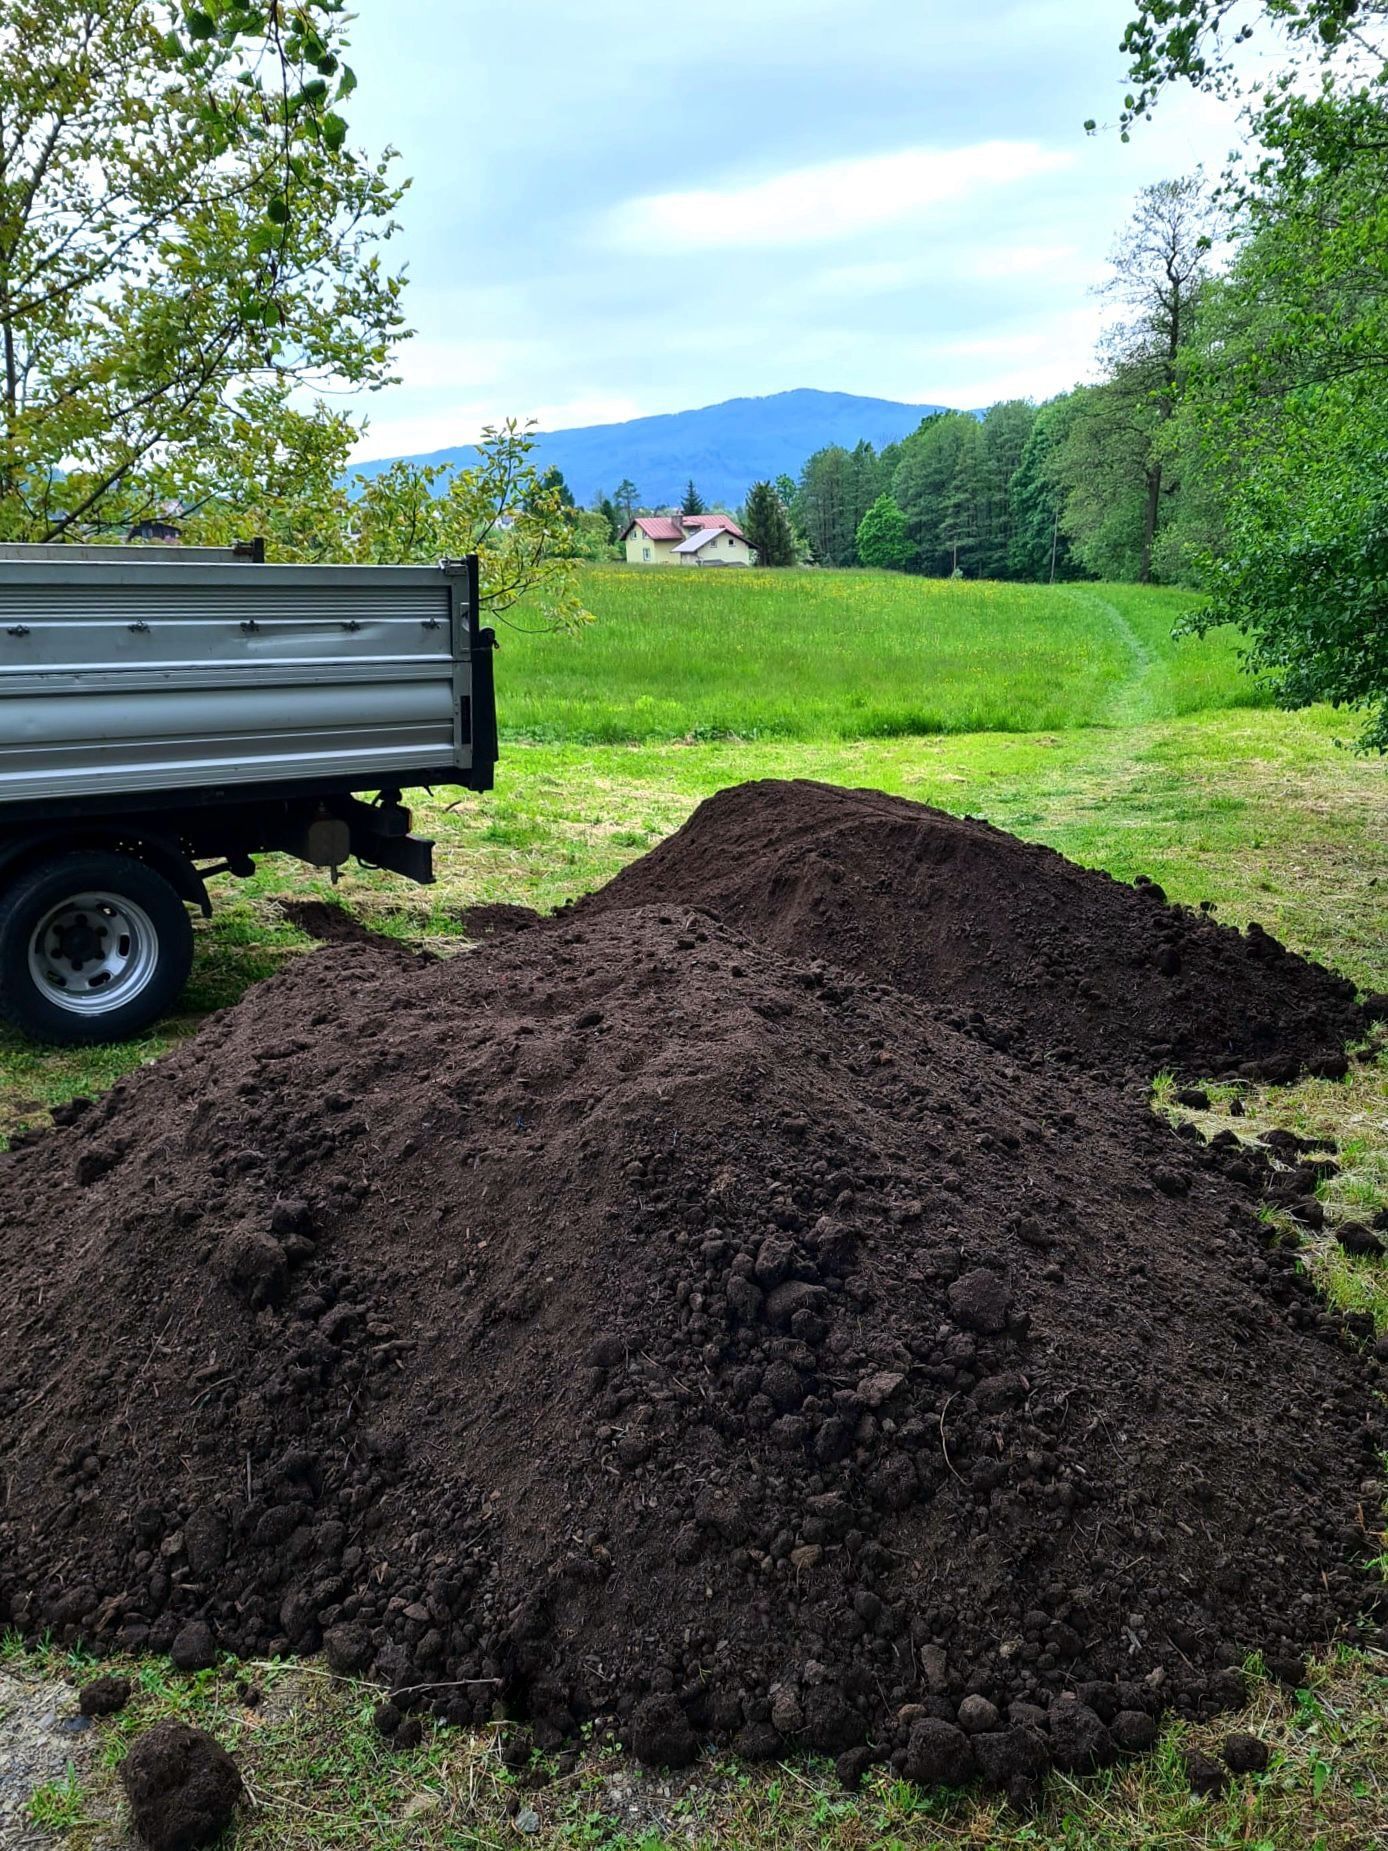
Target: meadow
[
  {"x": 813, "y": 655},
  {"x": 1068, "y": 715}
]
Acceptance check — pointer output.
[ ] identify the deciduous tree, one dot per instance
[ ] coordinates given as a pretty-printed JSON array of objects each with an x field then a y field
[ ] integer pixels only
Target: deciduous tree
[
  {"x": 883, "y": 539},
  {"x": 182, "y": 222},
  {"x": 283, "y": 474}
]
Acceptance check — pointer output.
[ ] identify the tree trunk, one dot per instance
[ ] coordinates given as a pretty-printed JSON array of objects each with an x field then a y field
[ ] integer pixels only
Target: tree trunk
[{"x": 1149, "y": 522}]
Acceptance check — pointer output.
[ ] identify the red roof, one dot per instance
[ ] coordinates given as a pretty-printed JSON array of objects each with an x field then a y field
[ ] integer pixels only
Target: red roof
[
  {"x": 723, "y": 522},
  {"x": 676, "y": 527},
  {"x": 658, "y": 527}
]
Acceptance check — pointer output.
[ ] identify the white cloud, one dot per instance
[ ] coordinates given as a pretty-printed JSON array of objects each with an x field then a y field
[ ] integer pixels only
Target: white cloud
[
  {"x": 818, "y": 205},
  {"x": 1047, "y": 356},
  {"x": 444, "y": 362},
  {"x": 447, "y": 427},
  {"x": 861, "y": 281},
  {"x": 1020, "y": 260}
]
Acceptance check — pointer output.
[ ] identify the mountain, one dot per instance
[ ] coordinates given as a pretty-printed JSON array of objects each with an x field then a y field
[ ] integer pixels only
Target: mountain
[{"x": 724, "y": 448}]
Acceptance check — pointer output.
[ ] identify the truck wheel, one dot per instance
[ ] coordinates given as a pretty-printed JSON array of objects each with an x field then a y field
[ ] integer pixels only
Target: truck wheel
[{"x": 93, "y": 947}]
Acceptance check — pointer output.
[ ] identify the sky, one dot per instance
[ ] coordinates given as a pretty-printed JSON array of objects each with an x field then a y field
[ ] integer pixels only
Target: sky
[{"x": 617, "y": 210}]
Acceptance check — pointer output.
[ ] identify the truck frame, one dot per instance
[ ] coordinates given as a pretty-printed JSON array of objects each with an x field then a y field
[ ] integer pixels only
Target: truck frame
[{"x": 168, "y": 713}]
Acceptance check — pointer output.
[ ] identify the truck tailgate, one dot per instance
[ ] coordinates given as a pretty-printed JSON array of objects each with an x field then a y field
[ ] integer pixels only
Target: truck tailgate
[{"x": 176, "y": 676}]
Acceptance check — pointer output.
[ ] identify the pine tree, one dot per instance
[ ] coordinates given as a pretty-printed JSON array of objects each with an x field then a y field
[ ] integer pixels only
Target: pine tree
[
  {"x": 767, "y": 528},
  {"x": 693, "y": 502},
  {"x": 614, "y": 520}
]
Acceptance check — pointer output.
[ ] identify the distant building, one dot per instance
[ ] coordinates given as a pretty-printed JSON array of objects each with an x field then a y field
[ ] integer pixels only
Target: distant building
[
  {"x": 686, "y": 540},
  {"x": 164, "y": 532}
]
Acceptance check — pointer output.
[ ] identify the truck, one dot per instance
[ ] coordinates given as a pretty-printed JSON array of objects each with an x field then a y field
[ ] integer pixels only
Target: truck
[{"x": 169, "y": 713}]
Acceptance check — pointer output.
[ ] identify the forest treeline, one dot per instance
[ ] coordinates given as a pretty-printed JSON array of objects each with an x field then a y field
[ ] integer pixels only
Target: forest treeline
[{"x": 1250, "y": 347}]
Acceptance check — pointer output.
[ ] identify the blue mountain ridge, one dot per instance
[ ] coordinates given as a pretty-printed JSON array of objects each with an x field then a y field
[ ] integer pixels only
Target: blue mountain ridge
[{"x": 723, "y": 448}]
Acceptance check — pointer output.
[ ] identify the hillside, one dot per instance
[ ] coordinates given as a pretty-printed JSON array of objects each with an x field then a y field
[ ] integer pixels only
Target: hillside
[{"x": 725, "y": 448}]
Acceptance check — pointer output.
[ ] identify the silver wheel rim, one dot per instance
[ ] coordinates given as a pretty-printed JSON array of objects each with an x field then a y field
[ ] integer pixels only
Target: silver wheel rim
[{"x": 93, "y": 953}]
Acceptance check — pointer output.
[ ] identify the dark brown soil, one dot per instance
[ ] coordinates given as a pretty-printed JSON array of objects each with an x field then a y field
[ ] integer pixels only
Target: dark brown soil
[
  {"x": 331, "y": 924},
  {"x": 635, "y": 1323},
  {"x": 1058, "y": 959},
  {"x": 485, "y": 921},
  {"x": 181, "y": 1786}
]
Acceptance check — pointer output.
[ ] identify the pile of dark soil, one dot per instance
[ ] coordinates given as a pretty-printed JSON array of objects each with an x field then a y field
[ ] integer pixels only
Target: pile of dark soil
[
  {"x": 1059, "y": 959},
  {"x": 634, "y": 1322}
]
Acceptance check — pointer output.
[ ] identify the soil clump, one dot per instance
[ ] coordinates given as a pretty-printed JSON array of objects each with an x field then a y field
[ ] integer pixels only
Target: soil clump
[
  {"x": 182, "y": 1787},
  {"x": 644, "y": 1324},
  {"x": 1060, "y": 959},
  {"x": 490, "y": 917},
  {"x": 331, "y": 924}
]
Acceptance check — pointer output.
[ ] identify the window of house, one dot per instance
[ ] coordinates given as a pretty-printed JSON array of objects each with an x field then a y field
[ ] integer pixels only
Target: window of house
[{"x": 645, "y": 552}]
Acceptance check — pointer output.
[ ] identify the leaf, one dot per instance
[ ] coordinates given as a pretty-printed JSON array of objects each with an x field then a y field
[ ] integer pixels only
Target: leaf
[
  {"x": 200, "y": 25},
  {"x": 277, "y": 211}
]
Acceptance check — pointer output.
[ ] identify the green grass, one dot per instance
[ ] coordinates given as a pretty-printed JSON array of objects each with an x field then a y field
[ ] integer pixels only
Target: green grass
[
  {"x": 808, "y": 655},
  {"x": 321, "y": 1779}
]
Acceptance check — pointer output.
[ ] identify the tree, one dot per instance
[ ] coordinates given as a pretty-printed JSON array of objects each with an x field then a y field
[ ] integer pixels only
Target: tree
[
  {"x": 926, "y": 483},
  {"x": 883, "y": 540},
  {"x": 290, "y": 56},
  {"x": 627, "y": 499},
  {"x": 1159, "y": 269},
  {"x": 607, "y": 509},
  {"x": 1038, "y": 547},
  {"x": 1287, "y": 404},
  {"x": 836, "y": 489},
  {"x": 693, "y": 502},
  {"x": 1101, "y": 471},
  {"x": 1189, "y": 41},
  {"x": 767, "y": 528},
  {"x": 1287, "y": 413},
  {"x": 282, "y": 474},
  {"x": 552, "y": 483},
  {"x": 959, "y": 525},
  {"x": 1305, "y": 570},
  {"x": 181, "y": 224},
  {"x": 1003, "y": 436}
]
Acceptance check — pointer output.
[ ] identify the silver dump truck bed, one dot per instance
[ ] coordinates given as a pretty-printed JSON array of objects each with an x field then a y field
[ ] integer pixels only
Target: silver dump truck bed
[
  {"x": 168, "y": 715},
  {"x": 140, "y": 671}
]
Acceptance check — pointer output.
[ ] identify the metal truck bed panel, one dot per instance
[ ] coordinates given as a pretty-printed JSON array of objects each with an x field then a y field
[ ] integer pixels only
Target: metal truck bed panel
[{"x": 173, "y": 675}]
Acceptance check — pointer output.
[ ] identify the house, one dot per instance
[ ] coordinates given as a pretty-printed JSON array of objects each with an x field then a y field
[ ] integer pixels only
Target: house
[
  {"x": 162, "y": 531},
  {"x": 686, "y": 540}
]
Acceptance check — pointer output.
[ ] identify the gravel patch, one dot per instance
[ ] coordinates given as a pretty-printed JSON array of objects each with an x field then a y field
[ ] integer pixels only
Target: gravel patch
[{"x": 41, "y": 1737}]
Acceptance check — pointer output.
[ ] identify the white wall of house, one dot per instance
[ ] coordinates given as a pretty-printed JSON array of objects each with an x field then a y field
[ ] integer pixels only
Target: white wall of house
[
  {"x": 726, "y": 550},
  {"x": 642, "y": 550}
]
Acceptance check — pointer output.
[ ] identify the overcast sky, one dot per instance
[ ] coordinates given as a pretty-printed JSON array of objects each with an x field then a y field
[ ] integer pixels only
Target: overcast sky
[{"x": 617, "y": 210}]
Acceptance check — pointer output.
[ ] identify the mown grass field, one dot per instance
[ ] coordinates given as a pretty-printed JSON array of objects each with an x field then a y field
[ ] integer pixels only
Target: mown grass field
[{"x": 1070, "y": 717}]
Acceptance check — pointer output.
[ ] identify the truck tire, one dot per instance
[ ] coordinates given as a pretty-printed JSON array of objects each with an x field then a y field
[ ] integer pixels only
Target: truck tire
[{"x": 94, "y": 947}]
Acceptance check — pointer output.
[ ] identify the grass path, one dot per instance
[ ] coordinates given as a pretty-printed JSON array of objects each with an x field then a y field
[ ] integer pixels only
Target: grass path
[{"x": 1134, "y": 699}]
